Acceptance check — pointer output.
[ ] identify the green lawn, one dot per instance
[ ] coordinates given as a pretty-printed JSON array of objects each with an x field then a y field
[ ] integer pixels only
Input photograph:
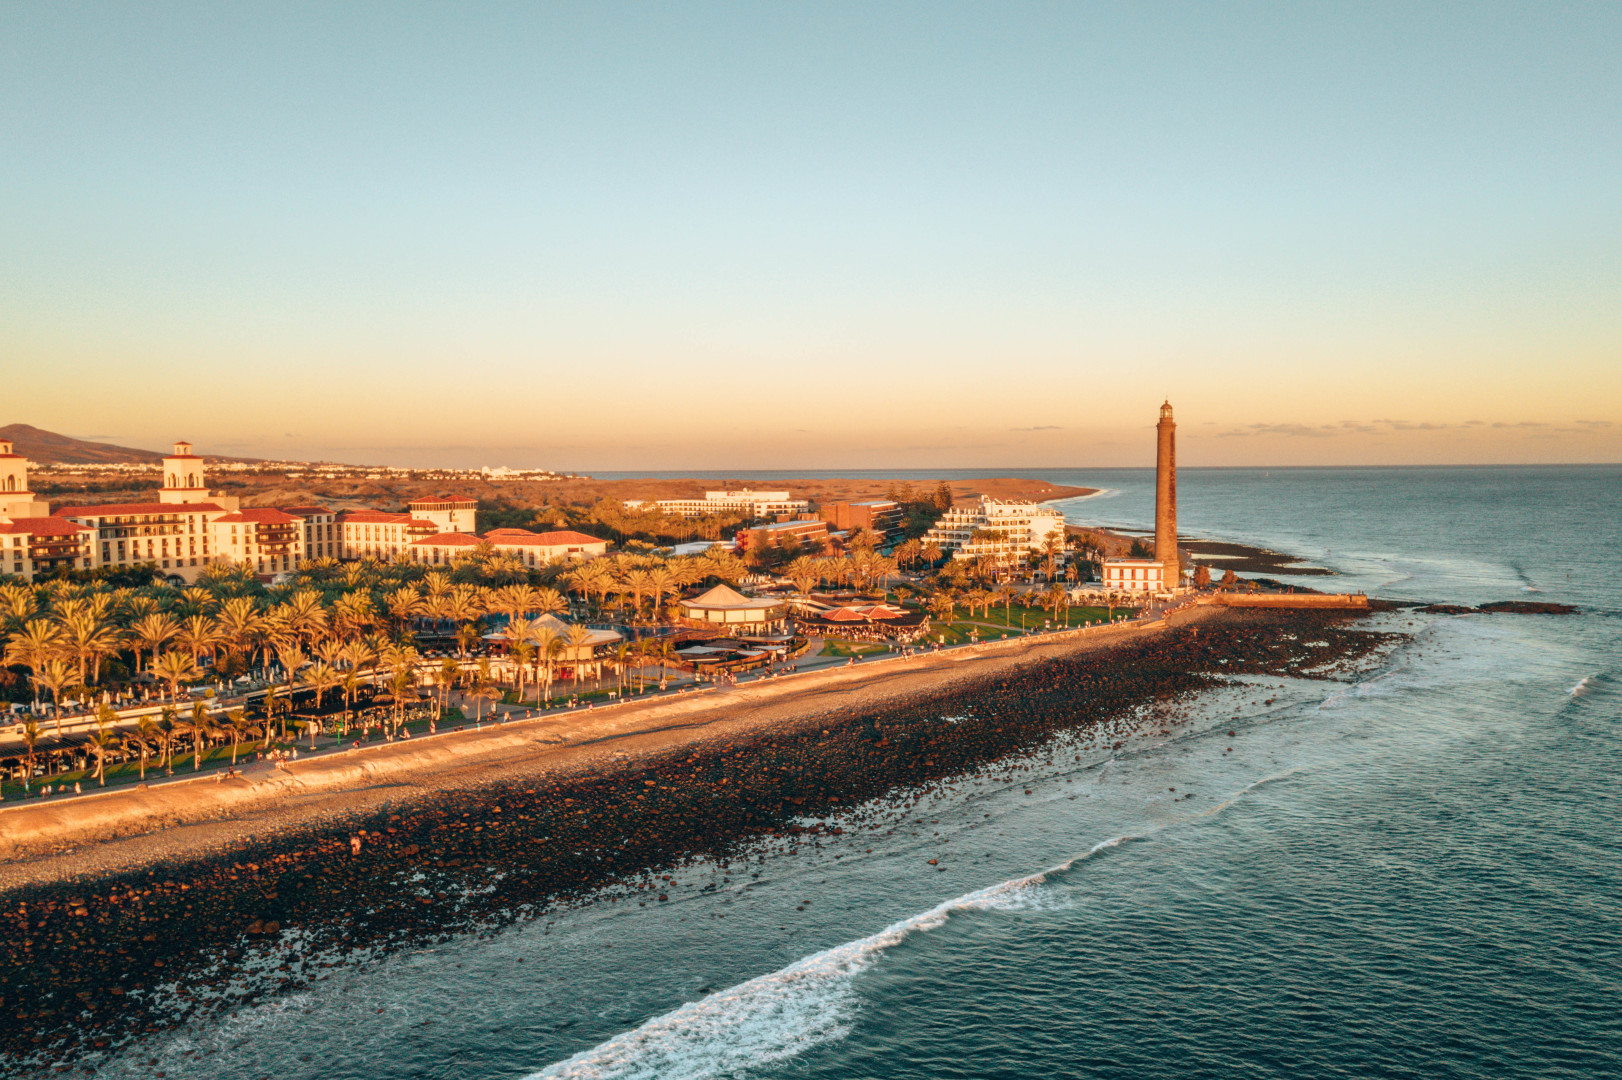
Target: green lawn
[
  {"x": 1019, "y": 618},
  {"x": 130, "y": 772},
  {"x": 843, "y": 647},
  {"x": 213, "y": 758}
]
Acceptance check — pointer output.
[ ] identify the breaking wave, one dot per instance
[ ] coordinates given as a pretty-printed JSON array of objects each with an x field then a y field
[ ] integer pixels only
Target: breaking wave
[{"x": 784, "y": 1013}]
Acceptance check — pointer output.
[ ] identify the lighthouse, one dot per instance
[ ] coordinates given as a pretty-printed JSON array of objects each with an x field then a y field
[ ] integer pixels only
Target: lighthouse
[{"x": 1166, "y": 498}]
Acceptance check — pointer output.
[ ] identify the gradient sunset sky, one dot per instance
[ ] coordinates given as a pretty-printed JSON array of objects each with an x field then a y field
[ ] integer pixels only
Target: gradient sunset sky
[{"x": 667, "y": 236}]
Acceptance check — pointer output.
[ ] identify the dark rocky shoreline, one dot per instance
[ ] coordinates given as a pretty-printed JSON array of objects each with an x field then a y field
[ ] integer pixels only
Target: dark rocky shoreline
[{"x": 88, "y": 966}]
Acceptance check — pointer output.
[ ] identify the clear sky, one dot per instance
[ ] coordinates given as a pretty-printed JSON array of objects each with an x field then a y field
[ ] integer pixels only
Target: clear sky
[{"x": 816, "y": 235}]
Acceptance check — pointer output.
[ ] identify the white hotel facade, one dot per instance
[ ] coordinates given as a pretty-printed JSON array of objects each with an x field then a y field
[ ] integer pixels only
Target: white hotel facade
[
  {"x": 1006, "y": 531},
  {"x": 758, "y": 504}
]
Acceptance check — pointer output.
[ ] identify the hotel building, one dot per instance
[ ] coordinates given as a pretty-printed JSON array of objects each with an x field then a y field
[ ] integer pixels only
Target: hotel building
[
  {"x": 448, "y": 514},
  {"x": 378, "y": 534},
  {"x": 810, "y": 534},
  {"x": 31, "y": 540},
  {"x": 1005, "y": 531},
  {"x": 187, "y": 528},
  {"x": 880, "y": 516},
  {"x": 757, "y": 504},
  {"x": 175, "y": 533},
  {"x": 1135, "y": 575},
  {"x": 538, "y": 549}
]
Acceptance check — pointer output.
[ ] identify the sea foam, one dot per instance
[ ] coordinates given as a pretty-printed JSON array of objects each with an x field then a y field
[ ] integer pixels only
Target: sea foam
[{"x": 784, "y": 1013}]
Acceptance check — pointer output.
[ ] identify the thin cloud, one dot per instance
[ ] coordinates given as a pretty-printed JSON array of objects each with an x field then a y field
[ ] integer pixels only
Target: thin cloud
[
  {"x": 1039, "y": 427},
  {"x": 1297, "y": 431}
]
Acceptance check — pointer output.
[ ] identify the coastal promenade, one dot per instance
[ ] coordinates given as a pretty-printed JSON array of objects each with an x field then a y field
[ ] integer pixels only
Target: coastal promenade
[{"x": 182, "y": 818}]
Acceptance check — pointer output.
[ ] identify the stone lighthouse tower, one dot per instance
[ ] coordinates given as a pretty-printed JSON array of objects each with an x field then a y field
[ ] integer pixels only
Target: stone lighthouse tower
[{"x": 1166, "y": 498}]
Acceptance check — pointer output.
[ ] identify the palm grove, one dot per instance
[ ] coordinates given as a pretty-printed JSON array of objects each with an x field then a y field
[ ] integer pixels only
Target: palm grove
[{"x": 338, "y": 631}]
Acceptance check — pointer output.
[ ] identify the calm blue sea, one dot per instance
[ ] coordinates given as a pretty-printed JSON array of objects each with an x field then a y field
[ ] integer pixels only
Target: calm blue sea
[{"x": 1418, "y": 874}]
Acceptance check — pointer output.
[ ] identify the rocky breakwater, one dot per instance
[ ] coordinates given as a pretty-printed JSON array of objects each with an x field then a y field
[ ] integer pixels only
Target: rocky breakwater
[{"x": 87, "y": 966}]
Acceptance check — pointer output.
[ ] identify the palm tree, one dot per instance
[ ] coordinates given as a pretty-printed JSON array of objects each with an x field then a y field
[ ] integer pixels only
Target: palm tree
[
  {"x": 103, "y": 742},
  {"x": 291, "y": 657},
  {"x": 38, "y": 641},
  {"x": 521, "y": 651},
  {"x": 1005, "y": 593},
  {"x": 320, "y": 677},
  {"x": 272, "y": 703},
  {"x": 402, "y": 683},
  {"x": 305, "y": 615},
  {"x": 134, "y": 744},
  {"x": 804, "y": 574},
  {"x": 638, "y": 584},
  {"x": 237, "y": 623},
  {"x": 168, "y": 726},
  {"x": 660, "y": 581},
  {"x": 175, "y": 668},
  {"x": 404, "y": 604},
  {"x": 483, "y": 687},
  {"x": 547, "y": 601},
  {"x": 57, "y": 676},
  {"x": 463, "y": 606},
  {"x": 622, "y": 660},
  {"x": 152, "y": 632},
  {"x": 201, "y": 728},
  {"x": 1051, "y": 546},
  {"x": 547, "y": 645},
  {"x": 235, "y": 725},
  {"x": 351, "y": 685},
  {"x": 143, "y": 739},
  {"x": 199, "y": 634},
  {"x": 579, "y": 641},
  {"x": 448, "y": 672},
  {"x": 603, "y": 583},
  {"x": 30, "y": 737},
  {"x": 17, "y": 605},
  {"x": 352, "y": 613},
  {"x": 87, "y": 637},
  {"x": 884, "y": 568}
]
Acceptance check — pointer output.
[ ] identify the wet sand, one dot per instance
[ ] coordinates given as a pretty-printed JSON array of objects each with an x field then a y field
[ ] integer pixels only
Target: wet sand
[{"x": 132, "y": 936}]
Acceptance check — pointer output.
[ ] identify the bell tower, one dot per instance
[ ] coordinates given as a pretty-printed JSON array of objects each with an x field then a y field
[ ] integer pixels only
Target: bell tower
[
  {"x": 16, "y": 501},
  {"x": 1166, "y": 498},
  {"x": 182, "y": 477}
]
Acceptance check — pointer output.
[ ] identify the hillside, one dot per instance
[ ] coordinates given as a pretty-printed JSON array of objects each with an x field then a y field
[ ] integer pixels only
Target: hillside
[{"x": 49, "y": 448}]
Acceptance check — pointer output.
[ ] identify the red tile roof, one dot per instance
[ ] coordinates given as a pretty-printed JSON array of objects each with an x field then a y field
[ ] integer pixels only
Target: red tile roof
[
  {"x": 525, "y": 538},
  {"x": 374, "y": 517},
  {"x": 48, "y": 526},
  {"x": 129, "y": 509},
  {"x": 442, "y": 499},
  {"x": 263, "y": 516},
  {"x": 303, "y": 511},
  {"x": 448, "y": 540}
]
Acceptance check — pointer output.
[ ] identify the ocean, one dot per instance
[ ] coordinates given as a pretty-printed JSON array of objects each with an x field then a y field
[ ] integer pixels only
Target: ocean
[{"x": 1418, "y": 873}]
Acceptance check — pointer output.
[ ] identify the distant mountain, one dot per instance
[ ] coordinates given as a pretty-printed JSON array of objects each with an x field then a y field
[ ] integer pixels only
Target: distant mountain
[{"x": 49, "y": 448}]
